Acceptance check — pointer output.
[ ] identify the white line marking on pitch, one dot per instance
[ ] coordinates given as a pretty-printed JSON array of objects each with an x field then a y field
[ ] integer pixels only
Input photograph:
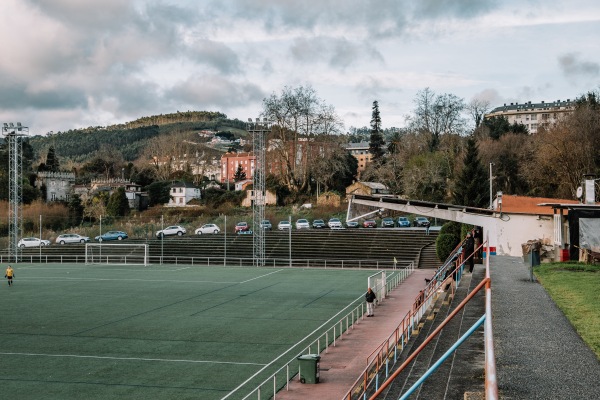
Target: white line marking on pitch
[
  {"x": 130, "y": 358},
  {"x": 180, "y": 269},
  {"x": 258, "y": 277},
  {"x": 63, "y": 278}
]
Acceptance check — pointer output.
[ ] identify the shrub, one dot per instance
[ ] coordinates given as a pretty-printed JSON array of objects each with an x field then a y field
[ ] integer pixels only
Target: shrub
[{"x": 445, "y": 244}]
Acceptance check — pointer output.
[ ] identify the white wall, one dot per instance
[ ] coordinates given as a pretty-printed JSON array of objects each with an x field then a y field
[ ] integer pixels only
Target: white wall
[{"x": 512, "y": 230}]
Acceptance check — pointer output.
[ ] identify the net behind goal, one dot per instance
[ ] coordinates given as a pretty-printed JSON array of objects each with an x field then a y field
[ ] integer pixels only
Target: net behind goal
[
  {"x": 378, "y": 283},
  {"x": 101, "y": 253}
]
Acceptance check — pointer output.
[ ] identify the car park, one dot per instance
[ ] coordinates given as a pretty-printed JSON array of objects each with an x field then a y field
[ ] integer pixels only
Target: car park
[
  {"x": 351, "y": 224},
  {"x": 388, "y": 222},
  {"x": 370, "y": 223},
  {"x": 33, "y": 242},
  {"x": 284, "y": 225},
  {"x": 403, "y": 222},
  {"x": 111, "y": 235},
  {"x": 71, "y": 238},
  {"x": 171, "y": 231},
  {"x": 335, "y": 223},
  {"x": 302, "y": 224},
  {"x": 266, "y": 225},
  {"x": 421, "y": 221},
  {"x": 207, "y": 229},
  {"x": 319, "y": 224},
  {"x": 241, "y": 226}
]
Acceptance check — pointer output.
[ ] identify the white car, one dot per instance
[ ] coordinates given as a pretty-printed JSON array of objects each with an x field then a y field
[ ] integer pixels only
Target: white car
[
  {"x": 71, "y": 238},
  {"x": 33, "y": 242},
  {"x": 335, "y": 223},
  {"x": 207, "y": 228},
  {"x": 171, "y": 230},
  {"x": 284, "y": 225},
  {"x": 302, "y": 224}
]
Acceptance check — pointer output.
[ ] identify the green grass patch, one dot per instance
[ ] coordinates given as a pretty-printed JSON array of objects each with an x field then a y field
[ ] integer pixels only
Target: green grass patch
[{"x": 574, "y": 289}]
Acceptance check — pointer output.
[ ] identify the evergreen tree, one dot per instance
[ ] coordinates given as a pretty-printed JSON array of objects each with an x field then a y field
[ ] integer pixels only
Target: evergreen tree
[
  {"x": 158, "y": 193},
  {"x": 75, "y": 210},
  {"x": 376, "y": 143},
  {"x": 118, "y": 205},
  {"x": 240, "y": 175},
  {"x": 471, "y": 187},
  {"x": 52, "y": 163}
]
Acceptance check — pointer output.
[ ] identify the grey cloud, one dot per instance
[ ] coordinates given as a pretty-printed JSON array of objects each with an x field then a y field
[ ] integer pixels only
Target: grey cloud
[
  {"x": 372, "y": 87},
  {"x": 463, "y": 9},
  {"x": 17, "y": 95},
  {"x": 204, "y": 91},
  {"x": 339, "y": 53},
  {"x": 572, "y": 66},
  {"x": 216, "y": 55}
]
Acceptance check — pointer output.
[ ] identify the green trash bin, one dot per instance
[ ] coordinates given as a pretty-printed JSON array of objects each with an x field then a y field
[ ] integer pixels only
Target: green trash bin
[{"x": 309, "y": 368}]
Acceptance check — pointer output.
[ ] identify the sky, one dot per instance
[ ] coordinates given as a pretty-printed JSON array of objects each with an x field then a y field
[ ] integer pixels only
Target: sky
[{"x": 69, "y": 64}]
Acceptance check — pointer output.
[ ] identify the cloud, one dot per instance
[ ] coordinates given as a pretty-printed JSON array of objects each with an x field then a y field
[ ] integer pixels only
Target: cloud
[
  {"x": 214, "y": 54},
  {"x": 573, "y": 67},
  {"x": 338, "y": 53},
  {"x": 202, "y": 91}
]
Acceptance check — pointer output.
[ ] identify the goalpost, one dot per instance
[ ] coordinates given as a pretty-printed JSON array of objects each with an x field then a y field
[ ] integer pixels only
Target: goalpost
[
  {"x": 378, "y": 283},
  {"x": 112, "y": 253}
]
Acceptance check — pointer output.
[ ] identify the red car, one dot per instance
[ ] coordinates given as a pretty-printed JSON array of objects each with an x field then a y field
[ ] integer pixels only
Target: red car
[
  {"x": 370, "y": 223},
  {"x": 242, "y": 227}
]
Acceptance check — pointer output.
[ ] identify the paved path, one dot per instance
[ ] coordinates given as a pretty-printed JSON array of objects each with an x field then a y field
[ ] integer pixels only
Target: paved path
[
  {"x": 342, "y": 364},
  {"x": 538, "y": 353}
]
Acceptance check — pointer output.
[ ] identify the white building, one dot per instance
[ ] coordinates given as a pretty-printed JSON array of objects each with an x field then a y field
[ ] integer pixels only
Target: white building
[
  {"x": 182, "y": 193},
  {"x": 533, "y": 115}
]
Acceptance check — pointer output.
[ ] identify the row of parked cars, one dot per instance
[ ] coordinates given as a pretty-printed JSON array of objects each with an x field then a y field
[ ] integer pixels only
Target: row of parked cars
[{"x": 240, "y": 227}]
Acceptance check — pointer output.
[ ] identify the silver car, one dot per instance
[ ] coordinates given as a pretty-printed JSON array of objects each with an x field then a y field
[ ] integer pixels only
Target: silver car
[
  {"x": 335, "y": 223},
  {"x": 302, "y": 224},
  {"x": 171, "y": 230},
  {"x": 208, "y": 228},
  {"x": 71, "y": 238},
  {"x": 33, "y": 242}
]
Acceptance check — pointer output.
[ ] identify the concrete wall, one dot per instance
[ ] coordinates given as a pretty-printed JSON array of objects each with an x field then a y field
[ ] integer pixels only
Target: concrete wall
[{"x": 512, "y": 230}]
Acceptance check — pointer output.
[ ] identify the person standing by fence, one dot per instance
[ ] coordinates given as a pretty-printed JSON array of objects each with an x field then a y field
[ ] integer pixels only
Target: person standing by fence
[
  {"x": 469, "y": 247},
  {"x": 370, "y": 297}
]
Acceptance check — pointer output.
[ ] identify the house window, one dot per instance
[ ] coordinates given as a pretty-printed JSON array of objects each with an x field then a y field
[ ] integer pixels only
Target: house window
[
  {"x": 52, "y": 196},
  {"x": 180, "y": 190},
  {"x": 534, "y": 117},
  {"x": 180, "y": 200}
]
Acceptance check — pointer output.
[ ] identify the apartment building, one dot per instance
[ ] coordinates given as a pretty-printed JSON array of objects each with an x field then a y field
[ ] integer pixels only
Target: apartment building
[{"x": 533, "y": 115}]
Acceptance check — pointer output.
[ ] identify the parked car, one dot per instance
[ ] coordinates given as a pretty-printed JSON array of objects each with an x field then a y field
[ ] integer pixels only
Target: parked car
[
  {"x": 302, "y": 224},
  {"x": 207, "y": 229},
  {"x": 242, "y": 226},
  {"x": 388, "y": 222},
  {"x": 370, "y": 223},
  {"x": 266, "y": 224},
  {"x": 335, "y": 223},
  {"x": 284, "y": 225},
  {"x": 33, "y": 242},
  {"x": 319, "y": 224},
  {"x": 71, "y": 238},
  {"x": 403, "y": 222},
  {"x": 351, "y": 224},
  {"x": 421, "y": 221},
  {"x": 171, "y": 231},
  {"x": 111, "y": 235}
]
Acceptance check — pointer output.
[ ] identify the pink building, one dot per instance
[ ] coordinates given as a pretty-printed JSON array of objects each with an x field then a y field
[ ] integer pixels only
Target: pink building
[{"x": 230, "y": 163}]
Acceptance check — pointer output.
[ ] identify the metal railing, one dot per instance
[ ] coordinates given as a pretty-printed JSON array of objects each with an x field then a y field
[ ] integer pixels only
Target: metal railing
[
  {"x": 491, "y": 387},
  {"x": 280, "y": 379},
  {"x": 214, "y": 261}
]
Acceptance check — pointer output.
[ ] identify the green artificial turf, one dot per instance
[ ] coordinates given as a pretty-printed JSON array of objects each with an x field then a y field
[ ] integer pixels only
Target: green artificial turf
[{"x": 159, "y": 332}]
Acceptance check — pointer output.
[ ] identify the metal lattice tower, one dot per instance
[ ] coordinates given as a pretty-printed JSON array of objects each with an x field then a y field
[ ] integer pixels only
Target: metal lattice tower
[
  {"x": 258, "y": 130},
  {"x": 15, "y": 191}
]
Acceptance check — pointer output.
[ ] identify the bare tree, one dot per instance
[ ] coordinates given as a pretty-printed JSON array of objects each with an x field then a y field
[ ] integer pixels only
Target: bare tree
[
  {"x": 477, "y": 108},
  {"x": 436, "y": 115}
]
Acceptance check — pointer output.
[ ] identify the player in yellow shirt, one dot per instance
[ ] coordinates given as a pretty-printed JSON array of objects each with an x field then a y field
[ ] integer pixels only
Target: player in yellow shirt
[{"x": 9, "y": 274}]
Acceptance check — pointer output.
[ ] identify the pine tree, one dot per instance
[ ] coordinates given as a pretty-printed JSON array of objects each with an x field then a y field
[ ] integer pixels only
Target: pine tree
[
  {"x": 52, "y": 163},
  {"x": 240, "y": 175},
  {"x": 376, "y": 143},
  {"x": 471, "y": 187}
]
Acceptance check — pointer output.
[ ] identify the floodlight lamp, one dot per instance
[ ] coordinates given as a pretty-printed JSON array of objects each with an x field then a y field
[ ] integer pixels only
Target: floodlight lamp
[
  {"x": 18, "y": 124},
  {"x": 257, "y": 120},
  {"x": 5, "y": 125},
  {"x": 12, "y": 125},
  {"x": 249, "y": 119}
]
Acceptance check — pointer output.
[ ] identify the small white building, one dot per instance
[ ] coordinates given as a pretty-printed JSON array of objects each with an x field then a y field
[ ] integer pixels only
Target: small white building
[{"x": 182, "y": 193}]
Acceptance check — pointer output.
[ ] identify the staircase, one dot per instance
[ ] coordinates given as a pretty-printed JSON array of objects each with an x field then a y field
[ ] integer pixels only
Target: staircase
[
  {"x": 461, "y": 375},
  {"x": 428, "y": 257}
]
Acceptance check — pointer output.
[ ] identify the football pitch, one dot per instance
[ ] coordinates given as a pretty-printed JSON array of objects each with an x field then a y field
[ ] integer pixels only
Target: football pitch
[{"x": 72, "y": 331}]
